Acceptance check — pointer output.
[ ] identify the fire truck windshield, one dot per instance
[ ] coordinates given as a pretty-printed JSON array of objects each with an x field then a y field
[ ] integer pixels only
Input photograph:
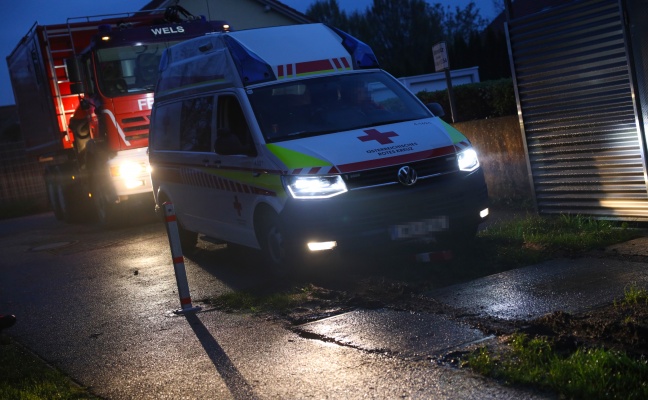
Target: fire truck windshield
[{"x": 129, "y": 69}]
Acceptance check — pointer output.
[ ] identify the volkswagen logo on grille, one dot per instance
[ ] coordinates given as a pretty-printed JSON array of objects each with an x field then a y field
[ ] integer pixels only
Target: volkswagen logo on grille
[{"x": 407, "y": 175}]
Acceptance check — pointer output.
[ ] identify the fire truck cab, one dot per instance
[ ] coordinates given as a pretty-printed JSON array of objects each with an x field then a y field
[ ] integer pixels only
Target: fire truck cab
[{"x": 84, "y": 92}]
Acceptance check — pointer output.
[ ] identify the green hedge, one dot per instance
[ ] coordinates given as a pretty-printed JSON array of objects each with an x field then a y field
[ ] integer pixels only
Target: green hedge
[{"x": 481, "y": 100}]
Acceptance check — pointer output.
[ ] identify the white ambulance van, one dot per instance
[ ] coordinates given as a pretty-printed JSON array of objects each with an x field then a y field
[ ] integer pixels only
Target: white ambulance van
[{"x": 292, "y": 140}]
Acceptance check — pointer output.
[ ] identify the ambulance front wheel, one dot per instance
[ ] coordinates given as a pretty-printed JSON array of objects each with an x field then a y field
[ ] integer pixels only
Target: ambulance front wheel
[{"x": 276, "y": 252}]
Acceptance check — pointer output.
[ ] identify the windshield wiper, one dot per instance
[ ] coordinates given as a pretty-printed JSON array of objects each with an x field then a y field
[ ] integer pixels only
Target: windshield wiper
[{"x": 309, "y": 133}]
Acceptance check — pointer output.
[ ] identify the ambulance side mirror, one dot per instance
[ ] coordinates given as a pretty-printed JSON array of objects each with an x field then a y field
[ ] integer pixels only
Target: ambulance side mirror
[{"x": 436, "y": 109}]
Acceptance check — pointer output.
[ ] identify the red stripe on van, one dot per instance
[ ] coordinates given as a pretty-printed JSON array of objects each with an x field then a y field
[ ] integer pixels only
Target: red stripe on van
[
  {"x": 405, "y": 158},
  {"x": 313, "y": 66}
]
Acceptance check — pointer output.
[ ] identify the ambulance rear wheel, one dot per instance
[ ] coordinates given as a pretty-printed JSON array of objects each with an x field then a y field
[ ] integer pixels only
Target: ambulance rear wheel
[
  {"x": 188, "y": 240},
  {"x": 275, "y": 250}
]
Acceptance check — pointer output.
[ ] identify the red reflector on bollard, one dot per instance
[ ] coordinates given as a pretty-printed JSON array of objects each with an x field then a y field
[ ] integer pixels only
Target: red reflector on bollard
[{"x": 178, "y": 261}]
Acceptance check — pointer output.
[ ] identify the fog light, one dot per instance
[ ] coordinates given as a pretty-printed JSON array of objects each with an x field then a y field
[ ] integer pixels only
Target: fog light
[
  {"x": 319, "y": 246},
  {"x": 484, "y": 213}
]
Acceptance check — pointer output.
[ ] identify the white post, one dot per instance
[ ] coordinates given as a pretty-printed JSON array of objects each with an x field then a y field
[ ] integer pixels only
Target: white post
[{"x": 178, "y": 260}]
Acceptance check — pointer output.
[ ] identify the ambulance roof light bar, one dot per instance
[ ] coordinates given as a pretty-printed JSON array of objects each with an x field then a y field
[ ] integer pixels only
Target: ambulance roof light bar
[
  {"x": 252, "y": 69},
  {"x": 363, "y": 56}
]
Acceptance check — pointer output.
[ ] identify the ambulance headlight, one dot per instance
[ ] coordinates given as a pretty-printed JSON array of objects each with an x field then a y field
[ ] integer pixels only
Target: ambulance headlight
[
  {"x": 315, "y": 187},
  {"x": 468, "y": 160}
]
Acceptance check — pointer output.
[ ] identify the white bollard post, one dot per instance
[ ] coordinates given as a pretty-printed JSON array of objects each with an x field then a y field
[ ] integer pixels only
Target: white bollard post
[{"x": 178, "y": 260}]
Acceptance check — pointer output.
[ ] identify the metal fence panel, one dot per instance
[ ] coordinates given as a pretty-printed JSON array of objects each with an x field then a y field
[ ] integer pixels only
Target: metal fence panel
[
  {"x": 21, "y": 178},
  {"x": 577, "y": 111}
]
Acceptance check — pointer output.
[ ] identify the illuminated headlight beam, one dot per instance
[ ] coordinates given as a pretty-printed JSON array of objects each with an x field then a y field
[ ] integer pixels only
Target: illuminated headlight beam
[
  {"x": 315, "y": 187},
  {"x": 468, "y": 160},
  {"x": 130, "y": 172}
]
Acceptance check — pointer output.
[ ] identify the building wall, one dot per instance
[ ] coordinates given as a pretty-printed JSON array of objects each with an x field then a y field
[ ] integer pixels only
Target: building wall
[
  {"x": 437, "y": 80},
  {"x": 498, "y": 142},
  {"x": 240, "y": 14}
]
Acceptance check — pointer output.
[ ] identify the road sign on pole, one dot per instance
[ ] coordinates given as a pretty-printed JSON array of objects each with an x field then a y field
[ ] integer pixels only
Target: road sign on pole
[
  {"x": 440, "y": 57},
  {"x": 442, "y": 63}
]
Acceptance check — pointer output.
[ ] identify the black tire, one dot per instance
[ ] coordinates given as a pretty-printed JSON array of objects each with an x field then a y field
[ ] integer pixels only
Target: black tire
[
  {"x": 108, "y": 213},
  {"x": 53, "y": 197},
  {"x": 188, "y": 240},
  {"x": 63, "y": 202},
  {"x": 279, "y": 256}
]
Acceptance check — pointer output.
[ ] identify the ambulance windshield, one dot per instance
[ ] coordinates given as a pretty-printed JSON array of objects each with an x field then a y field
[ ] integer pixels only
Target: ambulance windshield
[
  {"x": 320, "y": 106},
  {"x": 129, "y": 69}
]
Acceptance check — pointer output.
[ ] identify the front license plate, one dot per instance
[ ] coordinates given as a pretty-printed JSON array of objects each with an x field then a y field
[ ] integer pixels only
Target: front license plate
[{"x": 419, "y": 228}]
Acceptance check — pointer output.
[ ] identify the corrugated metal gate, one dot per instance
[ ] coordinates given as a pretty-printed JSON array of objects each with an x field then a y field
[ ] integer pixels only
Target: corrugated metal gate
[{"x": 579, "y": 121}]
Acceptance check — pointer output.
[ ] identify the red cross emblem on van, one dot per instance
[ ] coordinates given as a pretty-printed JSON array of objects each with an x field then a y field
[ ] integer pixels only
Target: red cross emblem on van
[{"x": 380, "y": 137}]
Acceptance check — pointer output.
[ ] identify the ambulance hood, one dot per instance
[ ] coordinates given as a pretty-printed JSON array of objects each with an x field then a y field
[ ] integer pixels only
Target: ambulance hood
[{"x": 369, "y": 148}]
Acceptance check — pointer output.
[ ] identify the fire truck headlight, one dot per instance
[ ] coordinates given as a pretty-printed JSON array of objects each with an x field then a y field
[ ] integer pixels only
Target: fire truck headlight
[
  {"x": 468, "y": 160},
  {"x": 315, "y": 187},
  {"x": 131, "y": 173}
]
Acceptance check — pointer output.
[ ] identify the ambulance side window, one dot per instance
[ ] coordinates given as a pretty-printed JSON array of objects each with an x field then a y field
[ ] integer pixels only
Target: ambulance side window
[
  {"x": 233, "y": 133},
  {"x": 165, "y": 127},
  {"x": 196, "y": 118}
]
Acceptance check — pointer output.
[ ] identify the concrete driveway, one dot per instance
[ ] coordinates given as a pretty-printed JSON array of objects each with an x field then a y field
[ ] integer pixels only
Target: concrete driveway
[{"x": 99, "y": 306}]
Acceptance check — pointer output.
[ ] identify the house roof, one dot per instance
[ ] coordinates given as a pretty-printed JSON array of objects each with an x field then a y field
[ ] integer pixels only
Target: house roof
[{"x": 278, "y": 6}]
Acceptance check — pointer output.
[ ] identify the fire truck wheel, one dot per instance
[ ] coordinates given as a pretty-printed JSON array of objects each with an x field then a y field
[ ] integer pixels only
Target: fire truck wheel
[
  {"x": 53, "y": 197},
  {"x": 108, "y": 214},
  {"x": 62, "y": 193}
]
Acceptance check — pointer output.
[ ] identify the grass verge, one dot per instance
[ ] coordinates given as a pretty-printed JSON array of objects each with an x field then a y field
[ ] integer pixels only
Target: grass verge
[
  {"x": 587, "y": 372},
  {"x": 594, "y": 373},
  {"x": 533, "y": 239},
  {"x": 25, "y": 376},
  {"x": 280, "y": 301}
]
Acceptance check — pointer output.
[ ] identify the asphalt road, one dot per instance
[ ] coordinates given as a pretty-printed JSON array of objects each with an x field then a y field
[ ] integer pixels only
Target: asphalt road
[{"x": 99, "y": 305}]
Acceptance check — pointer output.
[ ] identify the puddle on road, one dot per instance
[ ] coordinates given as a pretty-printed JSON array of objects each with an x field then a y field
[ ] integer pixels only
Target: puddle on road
[{"x": 51, "y": 246}]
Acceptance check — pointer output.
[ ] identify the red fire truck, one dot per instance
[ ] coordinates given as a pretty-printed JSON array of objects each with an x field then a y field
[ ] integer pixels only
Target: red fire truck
[{"x": 84, "y": 91}]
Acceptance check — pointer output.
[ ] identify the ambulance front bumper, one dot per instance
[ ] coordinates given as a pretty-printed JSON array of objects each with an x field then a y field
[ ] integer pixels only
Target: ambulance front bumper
[{"x": 430, "y": 210}]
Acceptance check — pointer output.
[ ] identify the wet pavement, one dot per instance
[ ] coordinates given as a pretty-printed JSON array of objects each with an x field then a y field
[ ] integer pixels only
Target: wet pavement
[
  {"x": 569, "y": 285},
  {"x": 407, "y": 334},
  {"x": 99, "y": 307}
]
